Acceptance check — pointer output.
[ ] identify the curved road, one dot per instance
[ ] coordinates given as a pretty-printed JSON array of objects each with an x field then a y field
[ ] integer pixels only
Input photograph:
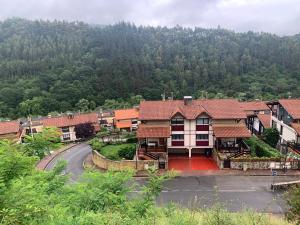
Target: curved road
[
  {"x": 234, "y": 192},
  {"x": 74, "y": 157}
]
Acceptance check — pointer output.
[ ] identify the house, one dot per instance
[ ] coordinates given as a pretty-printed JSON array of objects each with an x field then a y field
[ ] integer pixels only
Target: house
[
  {"x": 286, "y": 118},
  {"x": 10, "y": 130},
  {"x": 258, "y": 116},
  {"x": 191, "y": 127},
  {"x": 126, "y": 119},
  {"x": 67, "y": 124},
  {"x": 106, "y": 119},
  {"x": 31, "y": 126}
]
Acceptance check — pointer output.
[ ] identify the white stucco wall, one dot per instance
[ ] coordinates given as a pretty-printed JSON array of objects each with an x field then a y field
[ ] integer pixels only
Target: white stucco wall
[{"x": 288, "y": 133}]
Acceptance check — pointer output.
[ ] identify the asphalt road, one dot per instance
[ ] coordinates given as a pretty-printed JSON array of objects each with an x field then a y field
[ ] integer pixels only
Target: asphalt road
[
  {"x": 74, "y": 157},
  {"x": 233, "y": 192}
]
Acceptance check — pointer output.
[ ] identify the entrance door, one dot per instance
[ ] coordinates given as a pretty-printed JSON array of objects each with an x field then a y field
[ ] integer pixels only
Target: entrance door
[{"x": 227, "y": 163}]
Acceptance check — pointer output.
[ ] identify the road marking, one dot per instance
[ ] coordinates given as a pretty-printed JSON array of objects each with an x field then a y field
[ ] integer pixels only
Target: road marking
[{"x": 202, "y": 190}]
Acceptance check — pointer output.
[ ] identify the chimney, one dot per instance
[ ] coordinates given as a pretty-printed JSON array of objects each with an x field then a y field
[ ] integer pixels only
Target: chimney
[
  {"x": 187, "y": 100},
  {"x": 70, "y": 115}
]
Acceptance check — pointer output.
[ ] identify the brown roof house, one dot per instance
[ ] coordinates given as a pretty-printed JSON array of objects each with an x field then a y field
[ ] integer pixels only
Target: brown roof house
[
  {"x": 10, "y": 130},
  {"x": 126, "y": 119},
  {"x": 67, "y": 124},
  {"x": 258, "y": 116},
  {"x": 190, "y": 127},
  {"x": 286, "y": 118}
]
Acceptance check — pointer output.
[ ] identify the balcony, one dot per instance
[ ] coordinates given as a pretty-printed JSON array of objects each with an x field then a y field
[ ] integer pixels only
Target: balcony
[
  {"x": 202, "y": 127},
  {"x": 178, "y": 143},
  {"x": 202, "y": 143},
  {"x": 177, "y": 128}
]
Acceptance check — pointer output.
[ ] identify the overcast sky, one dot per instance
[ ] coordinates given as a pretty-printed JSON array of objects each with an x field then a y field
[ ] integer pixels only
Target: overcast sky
[{"x": 276, "y": 16}]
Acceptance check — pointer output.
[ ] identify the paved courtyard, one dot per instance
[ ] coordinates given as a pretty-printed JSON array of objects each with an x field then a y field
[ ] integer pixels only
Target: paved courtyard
[{"x": 184, "y": 163}]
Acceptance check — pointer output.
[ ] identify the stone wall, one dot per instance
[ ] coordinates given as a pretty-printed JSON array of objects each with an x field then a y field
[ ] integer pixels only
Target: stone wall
[
  {"x": 217, "y": 159},
  {"x": 104, "y": 163},
  {"x": 261, "y": 164}
]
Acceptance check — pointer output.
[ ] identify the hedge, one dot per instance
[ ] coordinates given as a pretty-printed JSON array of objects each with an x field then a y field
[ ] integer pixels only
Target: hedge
[{"x": 261, "y": 149}]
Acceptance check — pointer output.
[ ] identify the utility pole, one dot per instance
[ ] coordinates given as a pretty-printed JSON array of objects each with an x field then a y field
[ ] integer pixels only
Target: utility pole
[{"x": 30, "y": 125}]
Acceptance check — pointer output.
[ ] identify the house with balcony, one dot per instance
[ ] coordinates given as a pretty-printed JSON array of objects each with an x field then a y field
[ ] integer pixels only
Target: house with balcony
[
  {"x": 286, "y": 118},
  {"x": 191, "y": 127},
  {"x": 126, "y": 119},
  {"x": 67, "y": 124},
  {"x": 258, "y": 116},
  {"x": 10, "y": 130}
]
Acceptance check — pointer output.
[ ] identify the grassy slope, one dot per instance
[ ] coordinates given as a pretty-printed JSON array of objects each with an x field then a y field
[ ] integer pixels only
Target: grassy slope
[{"x": 111, "y": 151}]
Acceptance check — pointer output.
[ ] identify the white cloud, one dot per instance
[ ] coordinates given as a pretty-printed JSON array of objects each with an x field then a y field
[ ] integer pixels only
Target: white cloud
[{"x": 275, "y": 16}]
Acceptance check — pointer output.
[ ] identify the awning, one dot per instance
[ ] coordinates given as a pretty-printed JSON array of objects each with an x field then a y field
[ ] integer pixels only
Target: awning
[
  {"x": 153, "y": 132},
  {"x": 230, "y": 131},
  {"x": 296, "y": 127}
]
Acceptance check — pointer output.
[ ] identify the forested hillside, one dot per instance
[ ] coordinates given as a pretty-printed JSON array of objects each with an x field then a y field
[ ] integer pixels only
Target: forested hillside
[{"x": 49, "y": 66}]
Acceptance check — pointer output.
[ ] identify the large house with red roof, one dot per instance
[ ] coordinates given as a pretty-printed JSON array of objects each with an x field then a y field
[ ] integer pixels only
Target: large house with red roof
[
  {"x": 10, "y": 130},
  {"x": 68, "y": 122},
  {"x": 286, "y": 118},
  {"x": 191, "y": 127}
]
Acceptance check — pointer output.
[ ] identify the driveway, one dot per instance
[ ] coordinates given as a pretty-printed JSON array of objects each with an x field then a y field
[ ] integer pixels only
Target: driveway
[{"x": 74, "y": 157}]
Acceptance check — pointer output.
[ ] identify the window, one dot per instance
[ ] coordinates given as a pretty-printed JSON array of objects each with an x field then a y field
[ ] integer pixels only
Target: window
[
  {"x": 66, "y": 137},
  {"x": 202, "y": 121},
  {"x": 177, "y": 136},
  {"x": 134, "y": 122},
  {"x": 202, "y": 136},
  {"x": 65, "y": 129},
  {"x": 281, "y": 130},
  {"x": 177, "y": 121}
]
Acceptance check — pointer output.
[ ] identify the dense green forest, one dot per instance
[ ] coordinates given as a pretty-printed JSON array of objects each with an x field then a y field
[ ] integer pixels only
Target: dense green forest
[{"x": 51, "y": 66}]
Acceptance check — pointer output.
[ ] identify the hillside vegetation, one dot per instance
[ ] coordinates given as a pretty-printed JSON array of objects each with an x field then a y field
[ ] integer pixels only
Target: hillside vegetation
[{"x": 49, "y": 66}]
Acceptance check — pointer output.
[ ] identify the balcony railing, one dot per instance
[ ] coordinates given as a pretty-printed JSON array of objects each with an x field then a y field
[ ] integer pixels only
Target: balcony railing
[
  {"x": 202, "y": 127},
  {"x": 177, "y": 127},
  {"x": 202, "y": 143}
]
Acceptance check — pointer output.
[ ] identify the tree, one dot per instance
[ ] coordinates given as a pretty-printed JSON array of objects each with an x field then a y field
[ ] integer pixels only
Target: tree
[
  {"x": 271, "y": 136},
  {"x": 84, "y": 130},
  {"x": 40, "y": 144},
  {"x": 83, "y": 105}
]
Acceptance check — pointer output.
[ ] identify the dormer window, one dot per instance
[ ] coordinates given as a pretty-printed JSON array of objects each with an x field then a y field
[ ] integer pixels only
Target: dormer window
[
  {"x": 177, "y": 121},
  {"x": 202, "y": 121}
]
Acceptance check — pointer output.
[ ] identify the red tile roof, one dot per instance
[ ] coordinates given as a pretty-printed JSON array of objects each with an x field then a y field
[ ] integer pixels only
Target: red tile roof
[
  {"x": 9, "y": 127},
  {"x": 292, "y": 106},
  {"x": 265, "y": 119},
  {"x": 153, "y": 131},
  {"x": 254, "y": 105},
  {"x": 296, "y": 127},
  {"x": 66, "y": 121},
  {"x": 123, "y": 114},
  {"x": 123, "y": 124},
  {"x": 215, "y": 108},
  {"x": 231, "y": 131}
]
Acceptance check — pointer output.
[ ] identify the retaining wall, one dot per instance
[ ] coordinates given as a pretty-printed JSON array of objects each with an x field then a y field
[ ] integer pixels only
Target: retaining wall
[{"x": 102, "y": 162}]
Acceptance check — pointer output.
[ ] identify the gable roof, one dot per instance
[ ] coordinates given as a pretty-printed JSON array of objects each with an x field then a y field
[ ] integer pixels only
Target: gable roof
[
  {"x": 265, "y": 119},
  {"x": 9, "y": 127},
  {"x": 145, "y": 131},
  {"x": 123, "y": 114},
  {"x": 254, "y": 106},
  {"x": 215, "y": 108},
  {"x": 231, "y": 131},
  {"x": 66, "y": 121},
  {"x": 296, "y": 127},
  {"x": 292, "y": 106}
]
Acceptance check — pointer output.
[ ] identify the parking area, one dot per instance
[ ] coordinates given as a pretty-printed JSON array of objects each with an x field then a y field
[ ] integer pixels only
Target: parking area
[{"x": 196, "y": 162}]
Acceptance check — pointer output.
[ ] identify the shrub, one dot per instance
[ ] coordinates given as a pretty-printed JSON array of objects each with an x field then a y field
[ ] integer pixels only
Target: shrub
[
  {"x": 131, "y": 140},
  {"x": 96, "y": 145},
  {"x": 261, "y": 149},
  {"x": 127, "y": 152},
  {"x": 271, "y": 136}
]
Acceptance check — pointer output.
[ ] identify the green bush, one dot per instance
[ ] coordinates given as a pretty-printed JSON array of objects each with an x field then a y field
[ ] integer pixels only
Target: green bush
[
  {"x": 271, "y": 136},
  {"x": 96, "y": 144},
  {"x": 261, "y": 149},
  {"x": 131, "y": 140},
  {"x": 127, "y": 152}
]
